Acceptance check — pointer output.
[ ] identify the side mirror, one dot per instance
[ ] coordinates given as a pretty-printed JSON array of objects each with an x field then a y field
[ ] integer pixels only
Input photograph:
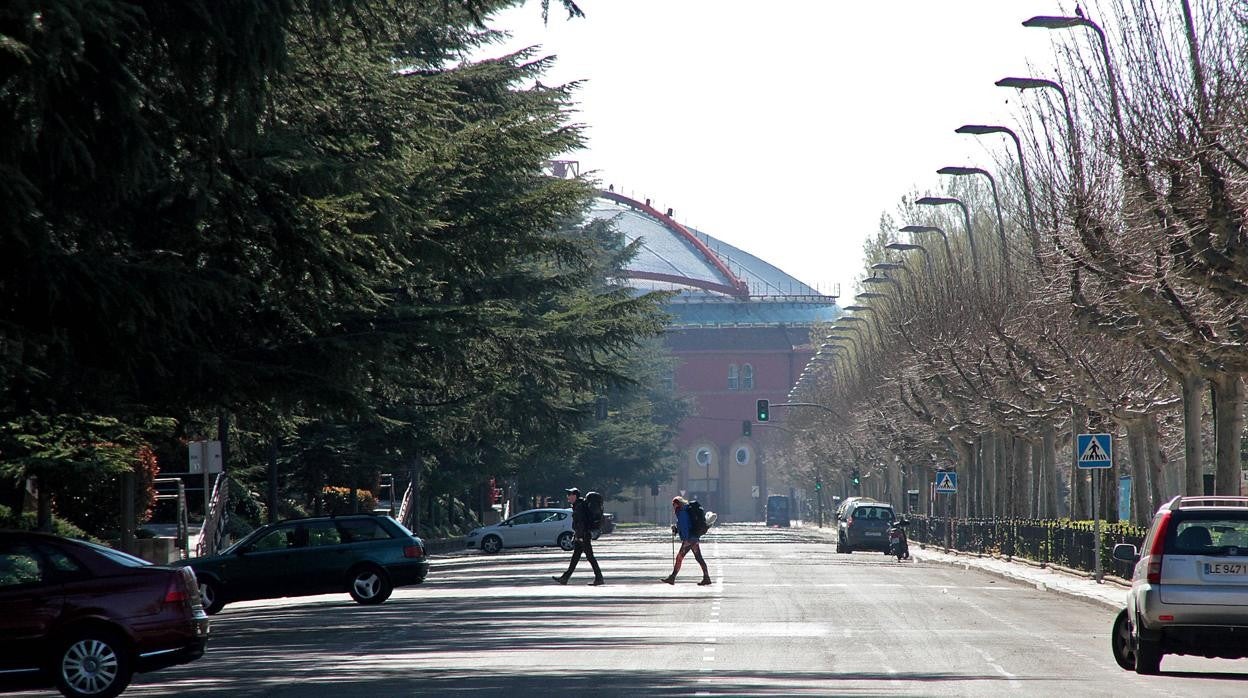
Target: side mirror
[{"x": 1126, "y": 552}]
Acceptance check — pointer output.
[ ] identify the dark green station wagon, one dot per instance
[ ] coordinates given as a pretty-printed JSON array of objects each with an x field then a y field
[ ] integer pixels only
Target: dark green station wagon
[{"x": 365, "y": 555}]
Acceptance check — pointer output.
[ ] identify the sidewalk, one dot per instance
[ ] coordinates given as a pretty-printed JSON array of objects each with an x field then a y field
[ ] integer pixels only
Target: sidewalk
[{"x": 1110, "y": 593}]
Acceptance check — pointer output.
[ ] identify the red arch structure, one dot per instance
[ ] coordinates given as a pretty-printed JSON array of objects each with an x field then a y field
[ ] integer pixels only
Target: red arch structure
[{"x": 735, "y": 286}]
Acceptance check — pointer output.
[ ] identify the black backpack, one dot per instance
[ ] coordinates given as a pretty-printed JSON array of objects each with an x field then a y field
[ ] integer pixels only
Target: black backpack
[
  {"x": 593, "y": 510},
  {"x": 697, "y": 519}
]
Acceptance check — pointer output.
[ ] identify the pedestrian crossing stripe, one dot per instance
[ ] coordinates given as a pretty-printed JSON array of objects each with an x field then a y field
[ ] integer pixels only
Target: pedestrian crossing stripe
[{"x": 946, "y": 482}]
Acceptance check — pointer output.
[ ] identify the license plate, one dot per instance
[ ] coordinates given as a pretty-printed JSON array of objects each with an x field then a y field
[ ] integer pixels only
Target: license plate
[
  {"x": 1226, "y": 568},
  {"x": 874, "y": 533}
]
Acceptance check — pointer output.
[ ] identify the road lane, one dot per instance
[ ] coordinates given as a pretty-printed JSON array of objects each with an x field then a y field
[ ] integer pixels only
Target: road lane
[{"x": 786, "y": 616}]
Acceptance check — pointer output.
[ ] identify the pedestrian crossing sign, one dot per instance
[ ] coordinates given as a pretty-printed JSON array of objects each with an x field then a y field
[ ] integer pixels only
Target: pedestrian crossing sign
[
  {"x": 946, "y": 482},
  {"x": 1095, "y": 451}
]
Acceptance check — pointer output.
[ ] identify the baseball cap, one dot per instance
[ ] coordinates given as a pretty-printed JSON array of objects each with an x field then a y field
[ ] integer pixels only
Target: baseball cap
[{"x": 573, "y": 490}]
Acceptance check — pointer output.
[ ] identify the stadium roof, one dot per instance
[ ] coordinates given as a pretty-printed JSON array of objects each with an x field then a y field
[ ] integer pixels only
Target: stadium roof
[{"x": 717, "y": 284}]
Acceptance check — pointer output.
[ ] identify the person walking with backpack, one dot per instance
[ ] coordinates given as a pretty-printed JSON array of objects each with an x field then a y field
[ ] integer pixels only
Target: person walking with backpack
[
  {"x": 690, "y": 525},
  {"x": 582, "y": 530}
]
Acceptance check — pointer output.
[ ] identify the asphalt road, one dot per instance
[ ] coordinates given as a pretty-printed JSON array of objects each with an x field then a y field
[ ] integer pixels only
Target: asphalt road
[{"x": 786, "y": 616}]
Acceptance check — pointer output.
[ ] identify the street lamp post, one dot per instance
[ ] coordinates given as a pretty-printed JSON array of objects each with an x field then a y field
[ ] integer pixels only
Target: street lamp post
[
  {"x": 901, "y": 291},
  {"x": 996, "y": 199},
  {"x": 944, "y": 238},
  {"x": 1044, "y": 22},
  {"x": 927, "y": 261},
  {"x": 966, "y": 216},
  {"x": 1076, "y": 152},
  {"x": 982, "y": 130},
  {"x": 874, "y": 317}
]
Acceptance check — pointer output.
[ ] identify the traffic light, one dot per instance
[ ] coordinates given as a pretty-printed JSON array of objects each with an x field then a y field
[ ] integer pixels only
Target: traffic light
[
  {"x": 855, "y": 479},
  {"x": 746, "y": 425},
  {"x": 764, "y": 410},
  {"x": 818, "y": 485}
]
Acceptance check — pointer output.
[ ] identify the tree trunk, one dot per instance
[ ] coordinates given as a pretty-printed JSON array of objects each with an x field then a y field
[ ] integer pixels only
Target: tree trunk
[
  {"x": 1228, "y": 392},
  {"x": 1080, "y": 509},
  {"x": 966, "y": 466},
  {"x": 988, "y": 468},
  {"x": 43, "y": 515},
  {"x": 1156, "y": 466},
  {"x": 1138, "y": 471},
  {"x": 1017, "y": 492},
  {"x": 1051, "y": 485},
  {"x": 1193, "y": 468},
  {"x": 1028, "y": 479}
]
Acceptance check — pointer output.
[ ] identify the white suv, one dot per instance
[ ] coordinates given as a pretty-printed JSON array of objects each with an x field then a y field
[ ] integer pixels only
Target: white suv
[{"x": 1189, "y": 592}]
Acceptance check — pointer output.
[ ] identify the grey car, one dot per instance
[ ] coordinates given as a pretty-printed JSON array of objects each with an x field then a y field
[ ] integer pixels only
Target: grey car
[
  {"x": 1189, "y": 589},
  {"x": 863, "y": 525}
]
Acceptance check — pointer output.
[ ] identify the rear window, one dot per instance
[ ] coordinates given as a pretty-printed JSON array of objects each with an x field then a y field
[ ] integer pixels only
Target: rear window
[
  {"x": 874, "y": 513},
  {"x": 1211, "y": 534},
  {"x": 123, "y": 559}
]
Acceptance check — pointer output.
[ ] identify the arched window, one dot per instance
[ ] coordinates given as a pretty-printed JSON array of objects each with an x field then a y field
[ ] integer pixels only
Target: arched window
[
  {"x": 747, "y": 377},
  {"x": 733, "y": 377}
]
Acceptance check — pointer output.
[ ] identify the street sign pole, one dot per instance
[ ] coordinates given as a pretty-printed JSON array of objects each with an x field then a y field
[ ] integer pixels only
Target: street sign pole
[
  {"x": 1096, "y": 530},
  {"x": 1095, "y": 452}
]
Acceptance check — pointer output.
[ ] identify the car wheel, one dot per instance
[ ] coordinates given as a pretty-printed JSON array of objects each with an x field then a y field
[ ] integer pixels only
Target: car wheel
[
  {"x": 1120, "y": 642},
  {"x": 491, "y": 544},
  {"x": 1147, "y": 656},
  {"x": 566, "y": 540},
  {"x": 93, "y": 664},
  {"x": 369, "y": 586},
  {"x": 210, "y": 596},
  {"x": 840, "y": 545}
]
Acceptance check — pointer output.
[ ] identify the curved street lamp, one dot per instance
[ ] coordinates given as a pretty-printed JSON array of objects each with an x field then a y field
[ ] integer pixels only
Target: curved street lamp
[
  {"x": 1049, "y": 22},
  {"x": 1076, "y": 152},
  {"x": 982, "y": 130},
  {"x": 966, "y": 216},
  {"x": 927, "y": 266},
  {"x": 996, "y": 199},
  {"x": 944, "y": 238}
]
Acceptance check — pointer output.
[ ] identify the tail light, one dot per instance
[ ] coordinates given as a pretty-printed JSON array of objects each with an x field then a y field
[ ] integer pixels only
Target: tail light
[
  {"x": 176, "y": 591},
  {"x": 1155, "y": 551},
  {"x": 849, "y": 521},
  {"x": 414, "y": 551}
]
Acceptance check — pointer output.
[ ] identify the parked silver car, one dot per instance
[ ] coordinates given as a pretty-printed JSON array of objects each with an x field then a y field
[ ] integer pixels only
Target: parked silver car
[
  {"x": 535, "y": 527},
  {"x": 1189, "y": 589}
]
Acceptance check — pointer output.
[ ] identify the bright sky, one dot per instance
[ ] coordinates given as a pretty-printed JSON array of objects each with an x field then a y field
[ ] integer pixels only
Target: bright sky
[{"x": 787, "y": 129}]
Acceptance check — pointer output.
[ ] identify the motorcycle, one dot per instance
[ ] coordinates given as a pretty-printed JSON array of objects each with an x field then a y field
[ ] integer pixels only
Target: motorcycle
[{"x": 897, "y": 544}]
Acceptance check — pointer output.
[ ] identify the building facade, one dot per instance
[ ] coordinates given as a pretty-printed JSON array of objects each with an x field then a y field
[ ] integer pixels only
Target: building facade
[{"x": 740, "y": 332}]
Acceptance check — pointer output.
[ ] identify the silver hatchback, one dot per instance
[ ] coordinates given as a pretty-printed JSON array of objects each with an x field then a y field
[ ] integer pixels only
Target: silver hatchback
[{"x": 1189, "y": 590}]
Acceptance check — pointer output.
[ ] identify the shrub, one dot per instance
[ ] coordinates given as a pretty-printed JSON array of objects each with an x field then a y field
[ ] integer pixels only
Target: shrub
[{"x": 338, "y": 500}]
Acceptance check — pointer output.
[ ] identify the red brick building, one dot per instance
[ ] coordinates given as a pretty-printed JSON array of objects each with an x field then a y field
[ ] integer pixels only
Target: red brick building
[{"x": 740, "y": 333}]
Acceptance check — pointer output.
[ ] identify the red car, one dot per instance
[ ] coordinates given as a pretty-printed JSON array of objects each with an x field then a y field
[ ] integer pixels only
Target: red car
[{"x": 85, "y": 618}]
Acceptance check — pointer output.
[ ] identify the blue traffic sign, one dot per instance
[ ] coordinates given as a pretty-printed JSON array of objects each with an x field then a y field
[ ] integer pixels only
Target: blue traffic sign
[
  {"x": 946, "y": 482},
  {"x": 1095, "y": 451}
]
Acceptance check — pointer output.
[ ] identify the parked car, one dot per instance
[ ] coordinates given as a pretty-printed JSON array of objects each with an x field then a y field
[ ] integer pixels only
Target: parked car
[
  {"x": 85, "y": 618},
  {"x": 864, "y": 526},
  {"x": 365, "y": 555},
  {"x": 534, "y": 527},
  {"x": 1189, "y": 588},
  {"x": 608, "y": 524}
]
